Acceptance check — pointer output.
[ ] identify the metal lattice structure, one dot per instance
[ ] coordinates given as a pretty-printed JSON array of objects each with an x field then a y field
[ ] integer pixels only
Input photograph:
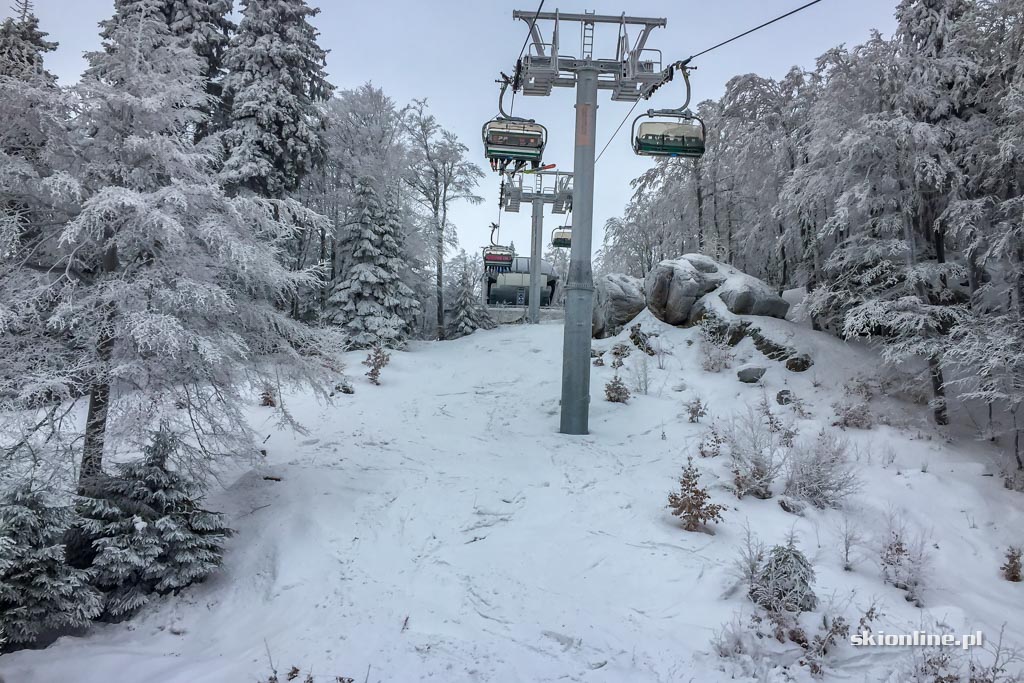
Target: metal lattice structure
[{"x": 537, "y": 189}]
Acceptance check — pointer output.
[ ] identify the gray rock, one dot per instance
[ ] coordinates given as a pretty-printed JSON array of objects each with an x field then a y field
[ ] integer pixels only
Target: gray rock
[
  {"x": 672, "y": 288},
  {"x": 799, "y": 363},
  {"x": 750, "y": 373},
  {"x": 784, "y": 397},
  {"x": 617, "y": 300},
  {"x": 745, "y": 295}
]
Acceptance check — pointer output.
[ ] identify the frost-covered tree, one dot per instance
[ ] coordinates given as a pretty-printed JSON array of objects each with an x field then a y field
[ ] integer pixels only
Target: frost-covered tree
[
  {"x": 163, "y": 291},
  {"x": 467, "y": 313},
  {"x": 142, "y": 530},
  {"x": 37, "y": 197},
  {"x": 371, "y": 302},
  {"x": 39, "y": 590},
  {"x": 206, "y": 26},
  {"x": 276, "y": 86},
  {"x": 439, "y": 175},
  {"x": 784, "y": 583}
]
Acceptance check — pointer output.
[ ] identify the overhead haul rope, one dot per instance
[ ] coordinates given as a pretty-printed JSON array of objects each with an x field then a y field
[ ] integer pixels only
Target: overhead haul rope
[{"x": 685, "y": 64}]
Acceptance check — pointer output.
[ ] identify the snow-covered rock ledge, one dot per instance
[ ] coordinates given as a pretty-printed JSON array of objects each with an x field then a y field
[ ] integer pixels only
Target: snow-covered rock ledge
[{"x": 691, "y": 288}]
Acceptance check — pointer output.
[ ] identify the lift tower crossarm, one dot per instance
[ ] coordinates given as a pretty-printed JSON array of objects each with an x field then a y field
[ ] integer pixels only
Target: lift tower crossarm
[{"x": 528, "y": 15}]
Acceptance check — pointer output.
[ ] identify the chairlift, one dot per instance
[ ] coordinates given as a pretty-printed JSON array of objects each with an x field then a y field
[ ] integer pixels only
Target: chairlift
[
  {"x": 680, "y": 136},
  {"x": 562, "y": 237},
  {"x": 510, "y": 140},
  {"x": 670, "y": 132},
  {"x": 498, "y": 258}
]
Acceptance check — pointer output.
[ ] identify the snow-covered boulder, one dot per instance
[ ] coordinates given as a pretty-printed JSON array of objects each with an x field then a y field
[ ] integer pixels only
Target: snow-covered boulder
[
  {"x": 617, "y": 300},
  {"x": 746, "y": 295},
  {"x": 672, "y": 287},
  {"x": 750, "y": 373}
]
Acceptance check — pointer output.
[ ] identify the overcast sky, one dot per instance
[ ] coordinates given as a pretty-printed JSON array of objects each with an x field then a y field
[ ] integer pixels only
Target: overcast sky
[{"x": 450, "y": 51}]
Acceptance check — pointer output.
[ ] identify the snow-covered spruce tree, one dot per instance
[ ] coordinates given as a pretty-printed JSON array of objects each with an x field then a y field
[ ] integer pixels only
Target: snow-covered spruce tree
[
  {"x": 364, "y": 138},
  {"x": 467, "y": 314},
  {"x": 39, "y": 590},
  {"x": 371, "y": 302},
  {"x": 276, "y": 85},
  {"x": 142, "y": 530},
  {"x": 207, "y": 27},
  {"x": 171, "y": 288},
  {"x": 784, "y": 582}
]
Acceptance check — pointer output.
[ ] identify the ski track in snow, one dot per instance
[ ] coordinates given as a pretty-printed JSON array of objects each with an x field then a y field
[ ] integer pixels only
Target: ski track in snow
[{"x": 438, "y": 528}]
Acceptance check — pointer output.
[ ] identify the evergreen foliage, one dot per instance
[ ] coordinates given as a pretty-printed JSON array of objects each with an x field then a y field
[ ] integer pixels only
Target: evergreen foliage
[
  {"x": 372, "y": 303},
  {"x": 146, "y": 531},
  {"x": 467, "y": 314},
  {"x": 39, "y": 591},
  {"x": 783, "y": 583},
  {"x": 692, "y": 503},
  {"x": 276, "y": 85}
]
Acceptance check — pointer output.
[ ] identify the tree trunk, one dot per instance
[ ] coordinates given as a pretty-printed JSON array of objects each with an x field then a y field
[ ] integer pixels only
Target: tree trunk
[
  {"x": 99, "y": 391},
  {"x": 700, "y": 205},
  {"x": 938, "y": 390},
  {"x": 439, "y": 284}
]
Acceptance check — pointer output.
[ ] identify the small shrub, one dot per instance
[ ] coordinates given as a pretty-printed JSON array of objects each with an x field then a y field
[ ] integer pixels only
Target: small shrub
[
  {"x": 784, "y": 582},
  {"x": 599, "y": 362},
  {"x": 758, "y": 455},
  {"x": 641, "y": 374},
  {"x": 343, "y": 387},
  {"x": 850, "y": 538},
  {"x": 616, "y": 391},
  {"x": 821, "y": 472},
  {"x": 267, "y": 399},
  {"x": 904, "y": 560},
  {"x": 642, "y": 340},
  {"x": 376, "y": 361},
  {"x": 692, "y": 504},
  {"x": 716, "y": 354},
  {"x": 1012, "y": 567},
  {"x": 834, "y": 631},
  {"x": 695, "y": 410},
  {"x": 621, "y": 351},
  {"x": 853, "y": 414},
  {"x": 711, "y": 443},
  {"x": 749, "y": 558}
]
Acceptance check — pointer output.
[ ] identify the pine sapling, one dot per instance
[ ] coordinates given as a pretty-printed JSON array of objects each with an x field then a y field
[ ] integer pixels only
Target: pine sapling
[
  {"x": 695, "y": 410},
  {"x": 692, "y": 504},
  {"x": 376, "y": 361},
  {"x": 711, "y": 443},
  {"x": 616, "y": 391},
  {"x": 784, "y": 582},
  {"x": 267, "y": 399},
  {"x": 1012, "y": 567}
]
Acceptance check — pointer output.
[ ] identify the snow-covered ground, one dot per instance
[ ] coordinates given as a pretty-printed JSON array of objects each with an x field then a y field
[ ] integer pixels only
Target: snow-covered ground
[{"x": 438, "y": 528}]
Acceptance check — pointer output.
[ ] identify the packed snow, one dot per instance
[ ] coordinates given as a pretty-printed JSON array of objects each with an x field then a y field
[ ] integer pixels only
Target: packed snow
[{"x": 438, "y": 528}]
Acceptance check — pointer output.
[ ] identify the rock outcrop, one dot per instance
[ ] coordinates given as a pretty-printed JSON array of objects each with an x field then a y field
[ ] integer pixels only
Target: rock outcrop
[
  {"x": 617, "y": 300},
  {"x": 674, "y": 286}
]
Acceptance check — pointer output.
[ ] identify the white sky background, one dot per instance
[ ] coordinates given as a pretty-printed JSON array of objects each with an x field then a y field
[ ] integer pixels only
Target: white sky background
[{"x": 450, "y": 52}]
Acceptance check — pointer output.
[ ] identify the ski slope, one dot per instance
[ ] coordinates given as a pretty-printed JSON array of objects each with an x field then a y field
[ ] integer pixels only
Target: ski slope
[{"x": 438, "y": 528}]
